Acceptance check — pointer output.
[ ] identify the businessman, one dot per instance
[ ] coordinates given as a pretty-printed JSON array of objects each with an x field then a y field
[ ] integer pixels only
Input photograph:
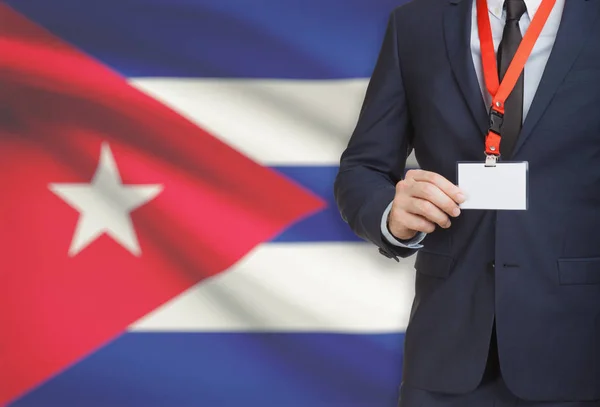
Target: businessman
[{"x": 507, "y": 302}]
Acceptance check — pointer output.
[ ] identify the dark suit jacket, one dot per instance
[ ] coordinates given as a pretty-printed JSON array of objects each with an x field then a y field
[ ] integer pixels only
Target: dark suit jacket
[{"x": 545, "y": 288}]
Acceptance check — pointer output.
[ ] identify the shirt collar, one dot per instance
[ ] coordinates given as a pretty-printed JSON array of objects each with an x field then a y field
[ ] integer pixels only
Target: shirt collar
[{"x": 496, "y": 6}]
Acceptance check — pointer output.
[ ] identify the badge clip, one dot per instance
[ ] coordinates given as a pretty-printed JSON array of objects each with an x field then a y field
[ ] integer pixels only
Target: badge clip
[{"x": 490, "y": 160}]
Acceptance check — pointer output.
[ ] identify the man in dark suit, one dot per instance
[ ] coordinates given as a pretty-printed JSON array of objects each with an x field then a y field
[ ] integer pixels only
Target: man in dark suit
[{"x": 507, "y": 303}]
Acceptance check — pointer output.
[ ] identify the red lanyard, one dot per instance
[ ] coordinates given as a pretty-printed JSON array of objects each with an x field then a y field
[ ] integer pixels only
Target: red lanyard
[{"x": 501, "y": 91}]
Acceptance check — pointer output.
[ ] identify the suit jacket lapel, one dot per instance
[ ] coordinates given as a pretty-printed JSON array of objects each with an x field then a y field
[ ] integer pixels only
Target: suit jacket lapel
[
  {"x": 457, "y": 34},
  {"x": 577, "y": 20}
]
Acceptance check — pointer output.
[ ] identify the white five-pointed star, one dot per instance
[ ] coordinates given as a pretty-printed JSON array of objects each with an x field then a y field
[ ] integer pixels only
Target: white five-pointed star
[{"x": 105, "y": 205}]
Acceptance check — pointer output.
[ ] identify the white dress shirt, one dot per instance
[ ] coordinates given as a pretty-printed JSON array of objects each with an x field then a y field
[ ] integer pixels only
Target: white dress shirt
[{"x": 534, "y": 68}]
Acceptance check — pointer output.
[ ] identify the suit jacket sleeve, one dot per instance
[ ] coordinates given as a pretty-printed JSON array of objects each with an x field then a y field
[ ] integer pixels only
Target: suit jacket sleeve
[{"x": 375, "y": 158}]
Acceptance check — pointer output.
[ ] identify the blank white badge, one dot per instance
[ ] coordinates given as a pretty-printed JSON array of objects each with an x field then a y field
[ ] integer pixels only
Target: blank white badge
[{"x": 503, "y": 187}]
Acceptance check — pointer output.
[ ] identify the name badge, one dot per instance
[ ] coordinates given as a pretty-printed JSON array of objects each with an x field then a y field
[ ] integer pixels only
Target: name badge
[{"x": 502, "y": 186}]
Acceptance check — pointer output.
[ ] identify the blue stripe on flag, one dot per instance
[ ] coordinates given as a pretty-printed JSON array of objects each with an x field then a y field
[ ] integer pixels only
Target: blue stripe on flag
[
  {"x": 300, "y": 39},
  {"x": 231, "y": 370},
  {"x": 326, "y": 225}
]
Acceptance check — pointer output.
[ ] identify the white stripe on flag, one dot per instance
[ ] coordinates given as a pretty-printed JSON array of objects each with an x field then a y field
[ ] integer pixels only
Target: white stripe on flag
[
  {"x": 332, "y": 287},
  {"x": 275, "y": 122}
]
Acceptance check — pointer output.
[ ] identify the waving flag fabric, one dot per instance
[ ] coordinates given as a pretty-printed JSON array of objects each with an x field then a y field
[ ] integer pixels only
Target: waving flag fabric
[{"x": 169, "y": 236}]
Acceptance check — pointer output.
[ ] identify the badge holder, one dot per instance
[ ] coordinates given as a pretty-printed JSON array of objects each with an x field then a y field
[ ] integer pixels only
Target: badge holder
[
  {"x": 494, "y": 185},
  {"x": 502, "y": 186}
]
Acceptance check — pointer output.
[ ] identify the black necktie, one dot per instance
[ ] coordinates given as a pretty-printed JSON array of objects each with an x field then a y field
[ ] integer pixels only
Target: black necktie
[{"x": 513, "y": 107}]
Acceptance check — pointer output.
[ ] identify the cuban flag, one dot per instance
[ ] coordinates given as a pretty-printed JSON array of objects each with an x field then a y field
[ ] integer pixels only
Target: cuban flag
[{"x": 168, "y": 234}]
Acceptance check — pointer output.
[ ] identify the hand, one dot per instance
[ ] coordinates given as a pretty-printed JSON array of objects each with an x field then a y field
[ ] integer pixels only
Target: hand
[{"x": 423, "y": 200}]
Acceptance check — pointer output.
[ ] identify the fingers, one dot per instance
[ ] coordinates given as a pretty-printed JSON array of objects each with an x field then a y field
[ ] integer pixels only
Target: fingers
[
  {"x": 414, "y": 222},
  {"x": 429, "y": 211},
  {"x": 425, "y": 199},
  {"x": 447, "y": 187},
  {"x": 436, "y": 198}
]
